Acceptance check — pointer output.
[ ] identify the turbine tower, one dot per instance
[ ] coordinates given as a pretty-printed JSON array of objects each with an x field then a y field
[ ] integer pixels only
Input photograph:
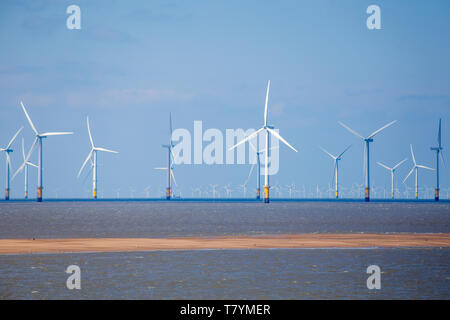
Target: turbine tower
[
  {"x": 7, "y": 150},
  {"x": 392, "y": 170},
  {"x": 269, "y": 130},
  {"x": 38, "y": 140},
  {"x": 416, "y": 169},
  {"x": 170, "y": 160},
  {"x": 93, "y": 154},
  {"x": 367, "y": 141},
  {"x": 258, "y": 169},
  {"x": 336, "y": 168},
  {"x": 438, "y": 150}
]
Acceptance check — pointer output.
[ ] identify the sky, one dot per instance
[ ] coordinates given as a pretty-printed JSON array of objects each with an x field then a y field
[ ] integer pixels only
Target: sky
[{"x": 133, "y": 62}]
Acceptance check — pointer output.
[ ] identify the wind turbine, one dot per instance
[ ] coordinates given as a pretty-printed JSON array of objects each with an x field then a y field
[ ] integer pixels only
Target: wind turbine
[
  {"x": 336, "y": 168},
  {"x": 7, "y": 150},
  {"x": 170, "y": 165},
  {"x": 438, "y": 150},
  {"x": 258, "y": 167},
  {"x": 27, "y": 163},
  {"x": 367, "y": 141},
  {"x": 416, "y": 168},
  {"x": 38, "y": 140},
  {"x": 268, "y": 130},
  {"x": 392, "y": 170},
  {"x": 93, "y": 154}
]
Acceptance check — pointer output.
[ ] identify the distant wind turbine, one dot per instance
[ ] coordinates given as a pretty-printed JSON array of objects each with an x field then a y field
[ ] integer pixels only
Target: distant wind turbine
[
  {"x": 392, "y": 170},
  {"x": 93, "y": 154},
  {"x": 268, "y": 130},
  {"x": 38, "y": 140},
  {"x": 171, "y": 160},
  {"x": 336, "y": 168},
  {"x": 7, "y": 150},
  {"x": 438, "y": 150},
  {"x": 25, "y": 168},
  {"x": 416, "y": 168},
  {"x": 367, "y": 141}
]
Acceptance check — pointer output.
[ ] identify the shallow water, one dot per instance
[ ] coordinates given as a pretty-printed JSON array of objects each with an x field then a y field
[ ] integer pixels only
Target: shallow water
[
  {"x": 162, "y": 219},
  {"x": 419, "y": 273},
  {"x": 230, "y": 274}
]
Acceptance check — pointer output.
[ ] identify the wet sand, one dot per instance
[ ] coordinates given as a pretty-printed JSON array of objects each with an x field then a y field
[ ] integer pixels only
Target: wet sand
[{"x": 313, "y": 240}]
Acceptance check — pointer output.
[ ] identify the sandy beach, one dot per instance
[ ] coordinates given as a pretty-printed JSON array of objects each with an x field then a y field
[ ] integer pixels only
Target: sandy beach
[{"x": 351, "y": 240}]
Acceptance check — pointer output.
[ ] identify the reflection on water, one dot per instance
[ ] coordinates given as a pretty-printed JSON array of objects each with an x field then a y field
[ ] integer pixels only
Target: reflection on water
[{"x": 224, "y": 274}]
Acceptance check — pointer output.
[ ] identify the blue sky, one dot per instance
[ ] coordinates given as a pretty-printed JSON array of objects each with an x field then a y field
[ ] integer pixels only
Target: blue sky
[{"x": 134, "y": 61}]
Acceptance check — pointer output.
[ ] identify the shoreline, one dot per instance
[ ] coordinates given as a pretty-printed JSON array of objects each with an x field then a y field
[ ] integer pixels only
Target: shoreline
[{"x": 280, "y": 241}]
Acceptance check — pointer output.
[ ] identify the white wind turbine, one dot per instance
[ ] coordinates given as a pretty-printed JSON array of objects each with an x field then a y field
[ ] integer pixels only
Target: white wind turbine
[
  {"x": 171, "y": 160},
  {"x": 38, "y": 140},
  {"x": 268, "y": 130},
  {"x": 7, "y": 150},
  {"x": 336, "y": 168},
  {"x": 93, "y": 154},
  {"x": 27, "y": 164},
  {"x": 416, "y": 168},
  {"x": 367, "y": 141},
  {"x": 392, "y": 170}
]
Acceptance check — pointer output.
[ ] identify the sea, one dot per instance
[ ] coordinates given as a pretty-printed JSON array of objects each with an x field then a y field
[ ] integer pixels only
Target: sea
[{"x": 406, "y": 273}]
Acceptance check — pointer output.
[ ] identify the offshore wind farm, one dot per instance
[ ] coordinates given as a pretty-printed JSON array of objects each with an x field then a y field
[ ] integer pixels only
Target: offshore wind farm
[
  {"x": 268, "y": 133},
  {"x": 224, "y": 150}
]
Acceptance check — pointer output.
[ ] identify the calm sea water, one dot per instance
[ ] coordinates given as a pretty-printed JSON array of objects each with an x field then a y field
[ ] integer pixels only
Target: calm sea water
[{"x": 224, "y": 274}]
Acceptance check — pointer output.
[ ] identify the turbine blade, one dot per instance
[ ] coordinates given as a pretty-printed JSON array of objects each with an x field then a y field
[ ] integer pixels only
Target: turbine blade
[
  {"x": 105, "y": 150},
  {"x": 412, "y": 154},
  {"x": 381, "y": 129},
  {"x": 351, "y": 130},
  {"x": 442, "y": 158},
  {"x": 173, "y": 177},
  {"x": 249, "y": 174},
  {"x": 398, "y": 164},
  {"x": 344, "y": 151},
  {"x": 46, "y": 134},
  {"x": 384, "y": 166},
  {"x": 327, "y": 152},
  {"x": 247, "y": 138},
  {"x": 409, "y": 174},
  {"x": 85, "y": 161},
  {"x": 13, "y": 138},
  {"x": 173, "y": 156},
  {"x": 425, "y": 167},
  {"x": 281, "y": 138},
  {"x": 252, "y": 146},
  {"x": 29, "y": 119},
  {"x": 23, "y": 149},
  {"x": 32, "y": 164},
  {"x": 439, "y": 134},
  {"x": 265, "y": 107},
  {"x": 89, "y": 131},
  {"x": 160, "y": 168},
  {"x": 27, "y": 157}
]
